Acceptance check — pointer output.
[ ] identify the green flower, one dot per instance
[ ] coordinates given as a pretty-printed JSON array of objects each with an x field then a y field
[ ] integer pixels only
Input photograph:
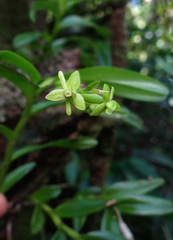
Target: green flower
[
  {"x": 69, "y": 92},
  {"x": 108, "y": 105}
]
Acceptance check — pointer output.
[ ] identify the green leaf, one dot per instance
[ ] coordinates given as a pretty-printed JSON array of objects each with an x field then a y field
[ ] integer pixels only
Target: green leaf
[
  {"x": 127, "y": 84},
  {"x": 46, "y": 193},
  {"x": 79, "y": 207},
  {"x": 146, "y": 206},
  {"x": 16, "y": 175},
  {"x": 78, "y": 223},
  {"x": 37, "y": 220},
  {"x": 109, "y": 222},
  {"x": 42, "y": 5},
  {"x": 40, "y": 106},
  {"x": 74, "y": 20},
  {"x": 102, "y": 235},
  {"x": 25, "y": 38},
  {"x": 59, "y": 235},
  {"x": 73, "y": 82},
  {"x": 79, "y": 143},
  {"x": 58, "y": 44},
  {"x": 21, "y": 63},
  {"x": 72, "y": 169},
  {"x": 19, "y": 80},
  {"x": 127, "y": 117},
  {"x": 123, "y": 190},
  {"x": 6, "y": 132}
]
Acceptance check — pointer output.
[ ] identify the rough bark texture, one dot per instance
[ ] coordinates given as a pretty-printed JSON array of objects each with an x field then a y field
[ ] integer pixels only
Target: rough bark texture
[
  {"x": 13, "y": 20},
  {"x": 118, "y": 35}
]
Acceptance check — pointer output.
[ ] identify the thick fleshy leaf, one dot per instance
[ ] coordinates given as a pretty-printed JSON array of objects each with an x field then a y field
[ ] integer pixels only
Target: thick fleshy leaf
[
  {"x": 37, "y": 220},
  {"x": 79, "y": 143},
  {"x": 102, "y": 235},
  {"x": 42, "y": 5},
  {"x": 79, "y": 207},
  {"x": 16, "y": 175},
  {"x": 73, "y": 82},
  {"x": 146, "y": 206},
  {"x": 75, "y": 20},
  {"x": 98, "y": 109},
  {"x": 25, "y": 38},
  {"x": 6, "y": 132},
  {"x": 21, "y": 63},
  {"x": 19, "y": 80},
  {"x": 127, "y": 84},
  {"x": 55, "y": 95},
  {"x": 78, "y": 101},
  {"x": 46, "y": 193},
  {"x": 122, "y": 190},
  {"x": 40, "y": 106},
  {"x": 109, "y": 222}
]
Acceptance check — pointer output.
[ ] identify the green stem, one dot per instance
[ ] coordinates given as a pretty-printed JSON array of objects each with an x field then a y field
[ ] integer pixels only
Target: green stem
[
  {"x": 13, "y": 140},
  {"x": 58, "y": 223}
]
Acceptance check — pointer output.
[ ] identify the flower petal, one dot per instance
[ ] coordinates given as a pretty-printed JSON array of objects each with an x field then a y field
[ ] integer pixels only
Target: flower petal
[
  {"x": 62, "y": 79},
  {"x": 111, "y": 93},
  {"x": 68, "y": 108},
  {"x": 98, "y": 109},
  {"x": 74, "y": 81},
  {"x": 55, "y": 95},
  {"x": 78, "y": 101},
  {"x": 112, "y": 106},
  {"x": 106, "y": 92}
]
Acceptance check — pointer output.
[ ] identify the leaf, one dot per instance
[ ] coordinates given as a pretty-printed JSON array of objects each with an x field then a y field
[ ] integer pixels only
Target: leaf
[
  {"x": 102, "y": 235},
  {"x": 123, "y": 190},
  {"x": 146, "y": 206},
  {"x": 58, "y": 44},
  {"x": 37, "y": 220},
  {"x": 78, "y": 223},
  {"x": 42, "y": 5},
  {"x": 127, "y": 84},
  {"x": 19, "y": 80},
  {"x": 46, "y": 193},
  {"x": 59, "y": 235},
  {"x": 21, "y": 63},
  {"x": 72, "y": 169},
  {"x": 79, "y": 207},
  {"x": 25, "y": 38},
  {"x": 75, "y": 20},
  {"x": 78, "y": 143},
  {"x": 16, "y": 175},
  {"x": 6, "y": 132},
  {"x": 40, "y": 106},
  {"x": 109, "y": 222},
  {"x": 127, "y": 117}
]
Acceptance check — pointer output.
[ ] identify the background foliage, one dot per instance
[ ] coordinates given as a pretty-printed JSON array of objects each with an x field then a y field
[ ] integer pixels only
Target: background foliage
[{"x": 62, "y": 173}]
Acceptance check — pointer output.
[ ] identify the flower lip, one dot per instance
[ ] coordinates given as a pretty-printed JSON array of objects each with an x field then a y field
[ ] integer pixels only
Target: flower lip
[{"x": 68, "y": 93}]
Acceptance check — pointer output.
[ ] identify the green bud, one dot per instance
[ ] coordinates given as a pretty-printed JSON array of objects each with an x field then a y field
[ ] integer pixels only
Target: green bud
[{"x": 92, "y": 98}]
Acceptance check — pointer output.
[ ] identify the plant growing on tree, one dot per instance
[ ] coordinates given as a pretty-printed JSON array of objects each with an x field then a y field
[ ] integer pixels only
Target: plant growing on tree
[{"x": 120, "y": 198}]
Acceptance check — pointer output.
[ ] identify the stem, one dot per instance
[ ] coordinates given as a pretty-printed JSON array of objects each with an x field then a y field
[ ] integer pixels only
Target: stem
[
  {"x": 58, "y": 223},
  {"x": 12, "y": 142}
]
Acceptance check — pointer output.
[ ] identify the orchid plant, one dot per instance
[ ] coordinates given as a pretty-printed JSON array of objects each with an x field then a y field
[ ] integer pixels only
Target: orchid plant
[{"x": 89, "y": 98}]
